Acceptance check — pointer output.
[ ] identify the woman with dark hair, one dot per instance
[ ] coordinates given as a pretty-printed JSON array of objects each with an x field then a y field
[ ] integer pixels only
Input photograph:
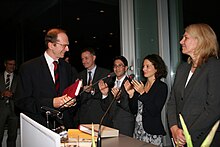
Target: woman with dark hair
[{"x": 147, "y": 100}]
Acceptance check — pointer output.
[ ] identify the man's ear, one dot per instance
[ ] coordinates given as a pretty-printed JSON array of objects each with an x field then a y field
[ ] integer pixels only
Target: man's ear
[
  {"x": 51, "y": 45},
  {"x": 94, "y": 57},
  {"x": 126, "y": 68}
]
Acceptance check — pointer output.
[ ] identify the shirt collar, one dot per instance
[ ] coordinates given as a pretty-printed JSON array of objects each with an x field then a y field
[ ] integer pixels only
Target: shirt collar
[
  {"x": 122, "y": 79},
  {"x": 6, "y": 73},
  {"x": 49, "y": 60},
  {"x": 92, "y": 70}
]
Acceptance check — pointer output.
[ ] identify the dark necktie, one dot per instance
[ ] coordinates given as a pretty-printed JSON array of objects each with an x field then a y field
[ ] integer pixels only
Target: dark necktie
[
  {"x": 7, "y": 86},
  {"x": 7, "y": 82},
  {"x": 56, "y": 76},
  {"x": 90, "y": 77}
]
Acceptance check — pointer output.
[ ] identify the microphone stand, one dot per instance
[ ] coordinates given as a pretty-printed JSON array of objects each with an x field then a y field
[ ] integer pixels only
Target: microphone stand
[
  {"x": 47, "y": 119},
  {"x": 99, "y": 138},
  {"x": 53, "y": 113}
]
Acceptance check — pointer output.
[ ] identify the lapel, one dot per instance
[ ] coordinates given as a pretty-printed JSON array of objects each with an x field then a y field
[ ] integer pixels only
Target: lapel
[
  {"x": 47, "y": 75},
  {"x": 14, "y": 83},
  {"x": 84, "y": 77},
  {"x": 189, "y": 88},
  {"x": 61, "y": 74},
  {"x": 183, "y": 75},
  {"x": 96, "y": 75},
  {"x": 2, "y": 81}
]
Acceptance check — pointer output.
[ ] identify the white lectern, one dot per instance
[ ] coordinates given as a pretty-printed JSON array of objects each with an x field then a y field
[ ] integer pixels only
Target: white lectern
[{"x": 34, "y": 134}]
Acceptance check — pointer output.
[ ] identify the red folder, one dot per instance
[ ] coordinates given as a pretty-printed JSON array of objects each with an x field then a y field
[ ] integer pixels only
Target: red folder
[{"x": 73, "y": 90}]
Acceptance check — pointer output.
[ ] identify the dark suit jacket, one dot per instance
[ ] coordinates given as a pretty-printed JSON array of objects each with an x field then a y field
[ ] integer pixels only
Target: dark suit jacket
[
  {"x": 120, "y": 113},
  {"x": 12, "y": 88},
  {"x": 36, "y": 89},
  {"x": 153, "y": 103},
  {"x": 90, "y": 110},
  {"x": 199, "y": 101},
  {"x": 13, "y": 84}
]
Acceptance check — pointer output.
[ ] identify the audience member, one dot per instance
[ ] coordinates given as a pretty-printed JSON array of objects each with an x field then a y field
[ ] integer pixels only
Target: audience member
[
  {"x": 120, "y": 113},
  {"x": 148, "y": 99},
  {"x": 38, "y": 86},
  {"x": 195, "y": 93},
  {"x": 90, "y": 110},
  {"x": 8, "y": 82}
]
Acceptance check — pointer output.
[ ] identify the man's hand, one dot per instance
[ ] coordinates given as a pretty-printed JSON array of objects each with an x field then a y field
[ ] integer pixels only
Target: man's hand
[
  {"x": 178, "y": 136},
  {"x": 64, "y": 101},
  {"x": 7, "y": 93}
]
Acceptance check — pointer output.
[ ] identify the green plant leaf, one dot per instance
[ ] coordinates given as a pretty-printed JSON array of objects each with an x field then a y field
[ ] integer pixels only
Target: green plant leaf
[
  {"x": 208, "y": 140},
  {"x": 93, "y": 137},
  {"x": 186, "y": 132}
]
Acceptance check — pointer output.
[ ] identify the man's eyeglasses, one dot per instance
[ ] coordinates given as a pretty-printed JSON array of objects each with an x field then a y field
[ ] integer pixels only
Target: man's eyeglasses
[
  {"x": 63, "y": 45},
  {"x": 119, "y": 65}
]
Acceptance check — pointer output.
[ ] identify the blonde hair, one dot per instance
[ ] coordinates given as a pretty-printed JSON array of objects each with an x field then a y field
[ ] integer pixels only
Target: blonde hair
[{"x": 207, "y": 42}]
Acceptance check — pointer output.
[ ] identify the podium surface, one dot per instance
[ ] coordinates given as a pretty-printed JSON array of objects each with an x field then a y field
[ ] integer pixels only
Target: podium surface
[
  {"x": 124, "y": 141},
  {"x": 36, "y": 135}
]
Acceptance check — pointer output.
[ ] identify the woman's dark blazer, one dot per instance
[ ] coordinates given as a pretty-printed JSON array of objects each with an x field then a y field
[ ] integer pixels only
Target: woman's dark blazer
[
  {"x": 153, "y": 103},
  {"x": 199, "y": 101}
]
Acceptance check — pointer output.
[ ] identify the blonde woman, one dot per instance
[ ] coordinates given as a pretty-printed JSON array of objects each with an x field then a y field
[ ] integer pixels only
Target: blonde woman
[{"x": 195, "y": 92}]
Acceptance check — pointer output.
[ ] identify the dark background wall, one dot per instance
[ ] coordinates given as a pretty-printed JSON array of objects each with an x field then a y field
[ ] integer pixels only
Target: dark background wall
[{"x": 24, "y": 23}]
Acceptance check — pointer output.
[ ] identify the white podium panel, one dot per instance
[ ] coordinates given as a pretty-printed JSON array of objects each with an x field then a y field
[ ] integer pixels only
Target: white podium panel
[{"x": 34, "y": 134}]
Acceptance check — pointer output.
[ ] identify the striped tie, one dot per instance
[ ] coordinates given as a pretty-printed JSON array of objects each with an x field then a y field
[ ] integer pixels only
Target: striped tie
[
  {"x": 7, "y": 82},
  {"x": 56, "y": 76}
]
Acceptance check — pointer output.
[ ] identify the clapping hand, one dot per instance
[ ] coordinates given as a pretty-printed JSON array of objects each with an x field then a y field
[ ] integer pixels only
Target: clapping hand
[
  {"x": 138, "y": 86},
  {"x": 116, "y": 92},
  {"x": 129, "y": 88},
  {"x": 103, "y": 87}
]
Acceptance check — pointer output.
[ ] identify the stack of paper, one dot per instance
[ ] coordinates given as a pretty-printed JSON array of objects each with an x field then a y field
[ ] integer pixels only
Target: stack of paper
[{"x": 105, "y": 131}]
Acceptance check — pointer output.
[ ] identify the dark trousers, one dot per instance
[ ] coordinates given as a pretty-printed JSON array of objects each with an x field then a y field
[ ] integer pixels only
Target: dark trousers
[{"x": 8, "y": 120}]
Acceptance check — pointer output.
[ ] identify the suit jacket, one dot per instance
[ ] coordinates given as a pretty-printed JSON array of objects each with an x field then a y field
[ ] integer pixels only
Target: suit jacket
[
  {"x": 12, "y": 88},
  {"x": 2, "y": 83},
  {"x": 90, "y": 110},
  {"x": 153, "y": 103},
  {"x": 36, "y": 89},
  {"x": 120, "y": 113},
  {"x": 199, "y": 101}
]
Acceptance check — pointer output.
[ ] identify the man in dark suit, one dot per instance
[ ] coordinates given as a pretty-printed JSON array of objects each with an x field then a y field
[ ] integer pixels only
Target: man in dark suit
[
  {"x": 37, "y": 81},
  {"x": 8, "y": 82},
  {"x": 90, "y": 110},
  {"x": 120, "y": 113}
]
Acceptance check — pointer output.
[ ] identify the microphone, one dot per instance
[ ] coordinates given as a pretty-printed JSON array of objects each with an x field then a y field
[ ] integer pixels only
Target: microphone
[
  {"x": 108, "y": 76},
  {"x": 131, "y": 77},
  {"x": 52, "y": 112},
  {"x": 112, "y": 74},
  {"x": 131, "y": 68}
]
